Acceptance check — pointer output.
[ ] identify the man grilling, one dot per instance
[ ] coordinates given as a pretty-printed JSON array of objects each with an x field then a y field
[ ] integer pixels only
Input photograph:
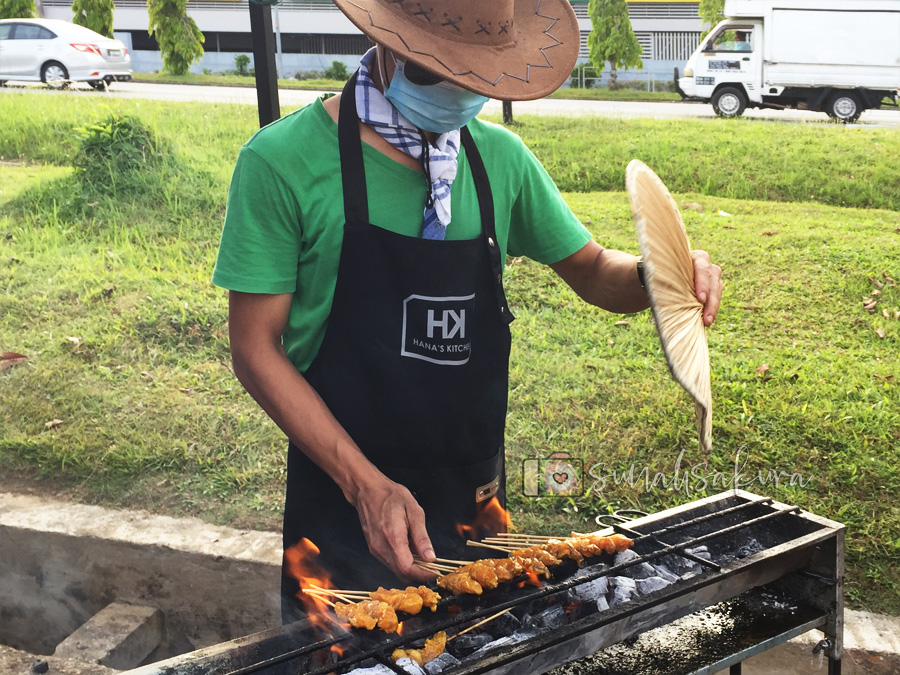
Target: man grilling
[{"x": 363, "y": 248}]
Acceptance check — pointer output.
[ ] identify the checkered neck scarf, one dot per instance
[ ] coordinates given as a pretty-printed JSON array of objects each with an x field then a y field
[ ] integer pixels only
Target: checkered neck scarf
[{"x": 440, "y": 160}]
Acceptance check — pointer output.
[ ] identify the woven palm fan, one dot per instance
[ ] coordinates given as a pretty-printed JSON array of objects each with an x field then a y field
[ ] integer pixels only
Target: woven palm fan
[{"x": 669, "y": 274}]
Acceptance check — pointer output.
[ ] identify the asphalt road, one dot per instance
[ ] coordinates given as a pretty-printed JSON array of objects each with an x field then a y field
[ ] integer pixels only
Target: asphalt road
[{"x": 293, "y": 98}]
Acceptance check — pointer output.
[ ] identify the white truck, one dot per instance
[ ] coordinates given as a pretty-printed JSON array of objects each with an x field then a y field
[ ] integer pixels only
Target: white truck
[{"x": 837, "y": 56}]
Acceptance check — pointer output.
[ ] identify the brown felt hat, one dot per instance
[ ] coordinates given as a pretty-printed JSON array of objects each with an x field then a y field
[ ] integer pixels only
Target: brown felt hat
[{"x": 513, "y": 50}]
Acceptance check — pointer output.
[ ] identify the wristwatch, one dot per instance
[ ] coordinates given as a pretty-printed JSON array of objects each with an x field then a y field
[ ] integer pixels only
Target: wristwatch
[{"x": 640, "y": 273}]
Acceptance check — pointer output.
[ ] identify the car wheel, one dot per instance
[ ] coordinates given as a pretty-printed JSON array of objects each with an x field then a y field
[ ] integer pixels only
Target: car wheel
[
  {"x": 98, "y": 84},
  {"x": 729, "y": 102},
  {"x": 2, "y": 83},
  {"x": 54, "y": 74},
  {"x": 844, "y": 106}
]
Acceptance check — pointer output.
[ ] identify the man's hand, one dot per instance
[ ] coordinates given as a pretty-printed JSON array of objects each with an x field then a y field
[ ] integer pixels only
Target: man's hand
[
  {"x": 394, "y": 525},
  {"x": 707, "y": 285}
]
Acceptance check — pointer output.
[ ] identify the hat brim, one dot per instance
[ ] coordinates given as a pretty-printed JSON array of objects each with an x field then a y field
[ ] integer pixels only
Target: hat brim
[{"x": 536, "y": 62}]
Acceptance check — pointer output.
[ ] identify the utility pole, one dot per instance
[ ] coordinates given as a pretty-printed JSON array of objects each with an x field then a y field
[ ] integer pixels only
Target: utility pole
[{"x": 264, "y": 61}]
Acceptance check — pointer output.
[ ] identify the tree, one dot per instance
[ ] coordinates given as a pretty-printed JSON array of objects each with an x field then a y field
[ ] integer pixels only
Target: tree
[
  {"x": 180, "y": 41},
  {"x": 711, "y": 13},
  {"x": 17, "y": 9},
  {"x": 612, "y": 39},
  {"x": 94, "y": 14}
]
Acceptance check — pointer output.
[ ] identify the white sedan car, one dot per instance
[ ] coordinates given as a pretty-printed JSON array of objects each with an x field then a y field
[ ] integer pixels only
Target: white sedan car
[{"x": 58, "y": 52}]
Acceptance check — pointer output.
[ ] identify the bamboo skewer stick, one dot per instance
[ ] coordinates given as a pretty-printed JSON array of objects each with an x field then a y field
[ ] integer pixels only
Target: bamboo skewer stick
[
  {"x": 480, "y": 623},
  {"x": 496, "y": 547},
  {"x": 318, "y": 597}
]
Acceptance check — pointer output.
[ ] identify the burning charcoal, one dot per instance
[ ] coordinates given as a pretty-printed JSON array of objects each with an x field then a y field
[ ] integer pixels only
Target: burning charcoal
[
  {"x": 642, "y": 571},
  {"x": 623, "y": 590},
  {"x": 499, "y": 642},
  {"x": 681, "y": 566},
  {"x": 552, "y": 617},
  {"x": 602, "y": 604},
  {"x": 410, "y": 666},
  {"x": 591, "y": 590},
  {"x": 505, "y": 624},
  {"x": 651, "y": 584},
  {"x": 624, "y": 556},
  {"x": 469, "y": 642},
  {"x": 665, "y": 573},
  {"x": 442, "y": 661}
]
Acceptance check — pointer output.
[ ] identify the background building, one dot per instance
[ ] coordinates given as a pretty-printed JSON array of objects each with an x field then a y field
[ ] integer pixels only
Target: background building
[{"x": 314, "y": 33}]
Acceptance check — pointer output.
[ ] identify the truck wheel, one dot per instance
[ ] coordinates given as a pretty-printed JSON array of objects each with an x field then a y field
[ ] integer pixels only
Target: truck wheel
[
  {"x": 729, "y": 102},
  {"x": 844, "y": 106}
]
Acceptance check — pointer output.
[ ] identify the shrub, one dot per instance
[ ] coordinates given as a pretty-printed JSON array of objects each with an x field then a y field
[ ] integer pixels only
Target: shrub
[
  {"x": 309, "y": 75},
  {"x": 114, "y": 151},
  {"x": 241, "y": 61},
  {"x": 337, "y": 71}
]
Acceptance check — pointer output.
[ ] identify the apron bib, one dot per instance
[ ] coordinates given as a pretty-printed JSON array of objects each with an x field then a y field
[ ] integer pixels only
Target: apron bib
[{"x": 414, "y": 365}]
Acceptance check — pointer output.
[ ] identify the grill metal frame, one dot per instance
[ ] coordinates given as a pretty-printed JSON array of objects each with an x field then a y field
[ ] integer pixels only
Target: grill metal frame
[{"x": 814, "y": 563}]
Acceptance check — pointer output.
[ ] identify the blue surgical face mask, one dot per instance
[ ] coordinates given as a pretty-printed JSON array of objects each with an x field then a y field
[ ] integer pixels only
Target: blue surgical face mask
[{"x": 440, "y": 107}]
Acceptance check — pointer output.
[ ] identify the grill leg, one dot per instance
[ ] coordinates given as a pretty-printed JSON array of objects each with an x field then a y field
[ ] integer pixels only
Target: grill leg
[
  {"x": 834, "y": 667},
  {"x": 736, "y": 670}
]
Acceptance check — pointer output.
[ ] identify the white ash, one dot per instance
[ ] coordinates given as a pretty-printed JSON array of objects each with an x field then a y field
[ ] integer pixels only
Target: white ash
[
  {"x": 442, "y": 661},
  {"x": 374, "y": 670},
  {"x": 410, "y": 666},
  {"x": 590, "y": 591}
]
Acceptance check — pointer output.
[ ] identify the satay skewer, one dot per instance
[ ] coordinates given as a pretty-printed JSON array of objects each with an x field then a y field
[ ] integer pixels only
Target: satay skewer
[
  {"x": 480, "y": 623},
  {"x": 317, "y": 596}
]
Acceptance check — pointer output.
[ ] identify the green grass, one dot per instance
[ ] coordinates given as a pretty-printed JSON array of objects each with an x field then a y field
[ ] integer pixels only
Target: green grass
[
  {"x": 109, "y": 298},
  {"x": 320, "y": 84},
  {"x": 604, "y": 94}
]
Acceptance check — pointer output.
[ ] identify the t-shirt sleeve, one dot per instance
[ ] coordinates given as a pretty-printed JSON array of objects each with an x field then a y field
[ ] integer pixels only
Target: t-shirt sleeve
[
  {"x": 260, "y": 243},
  {"x": 542, "y": 226}
]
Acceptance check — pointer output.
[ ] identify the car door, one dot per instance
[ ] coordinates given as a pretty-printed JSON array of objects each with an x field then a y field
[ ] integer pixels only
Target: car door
[
  {"x": 31, "y": 48},
  {"x": 5, "y": 30}
]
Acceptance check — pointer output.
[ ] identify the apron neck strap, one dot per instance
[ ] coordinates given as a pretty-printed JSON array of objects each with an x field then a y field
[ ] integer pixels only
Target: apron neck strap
[{"x": 353, "y": 174}]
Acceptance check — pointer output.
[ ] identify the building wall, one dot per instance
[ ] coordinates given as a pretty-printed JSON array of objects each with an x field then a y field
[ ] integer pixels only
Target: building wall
[{"x": 315, "y": 33}]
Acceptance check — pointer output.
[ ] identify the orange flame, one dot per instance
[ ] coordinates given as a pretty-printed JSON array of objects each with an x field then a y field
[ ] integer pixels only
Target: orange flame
[
  {"x": 490, "y": 520},
  {"x": 301, "y": 564}
]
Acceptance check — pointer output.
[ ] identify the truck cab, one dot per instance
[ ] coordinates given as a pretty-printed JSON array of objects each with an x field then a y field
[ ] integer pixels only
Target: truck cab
[{"x": 727, "y": 67}]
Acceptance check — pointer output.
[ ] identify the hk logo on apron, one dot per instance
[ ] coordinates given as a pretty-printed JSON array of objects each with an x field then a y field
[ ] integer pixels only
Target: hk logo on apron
[{"x": 435, "y": 330}]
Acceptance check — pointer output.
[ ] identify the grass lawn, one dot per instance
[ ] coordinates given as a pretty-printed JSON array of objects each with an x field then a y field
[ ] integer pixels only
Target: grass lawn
[
  {"x": 596, "y": 94},
  {"x": 126, "y": 397}
]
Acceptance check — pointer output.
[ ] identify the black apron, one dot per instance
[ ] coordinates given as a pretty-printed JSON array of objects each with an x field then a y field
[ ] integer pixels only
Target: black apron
[{"x": 414, "y": 365}]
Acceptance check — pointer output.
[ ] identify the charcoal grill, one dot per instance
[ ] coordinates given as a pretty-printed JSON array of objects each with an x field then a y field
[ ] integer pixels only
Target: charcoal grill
[{"x": 775, "y": 572}]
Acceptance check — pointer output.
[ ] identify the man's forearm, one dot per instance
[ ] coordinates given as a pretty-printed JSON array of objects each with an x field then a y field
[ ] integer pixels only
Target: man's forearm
[
  {"x": 605, "y": 278},
  {"x": 300, "y": 413}
]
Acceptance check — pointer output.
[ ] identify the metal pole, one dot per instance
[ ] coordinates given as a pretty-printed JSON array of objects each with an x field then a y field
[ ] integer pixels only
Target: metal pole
[
  {"x": 264, "y": 62},
  {"x": 278, "y": 51},
  {"x": 507, "y": 113}
]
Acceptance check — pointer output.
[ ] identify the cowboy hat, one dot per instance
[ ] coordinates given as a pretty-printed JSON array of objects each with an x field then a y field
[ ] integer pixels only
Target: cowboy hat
[{"x": 512, "y": 50}]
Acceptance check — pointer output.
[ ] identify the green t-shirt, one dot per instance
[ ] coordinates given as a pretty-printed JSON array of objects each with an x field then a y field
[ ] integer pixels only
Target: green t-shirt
[{"x": 284, "y": 223}]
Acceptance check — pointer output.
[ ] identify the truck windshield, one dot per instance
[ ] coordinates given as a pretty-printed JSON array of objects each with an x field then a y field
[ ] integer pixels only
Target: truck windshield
[{"x": 732, "y": 40}]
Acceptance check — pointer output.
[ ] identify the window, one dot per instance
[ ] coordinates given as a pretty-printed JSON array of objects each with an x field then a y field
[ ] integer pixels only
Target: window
[
  {"x": 28, "y": 31},
  {"x": 735, "y": 39},
  {"x": 5, "y": 30}
]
